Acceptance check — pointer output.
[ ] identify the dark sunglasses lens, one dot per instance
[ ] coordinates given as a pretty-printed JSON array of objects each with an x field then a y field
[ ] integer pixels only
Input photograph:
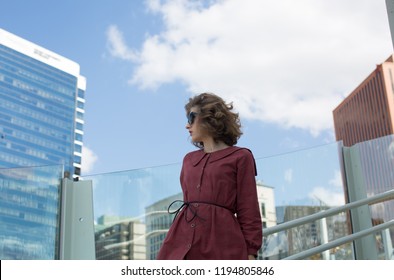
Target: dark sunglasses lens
[{"x": 191, "y": 117}]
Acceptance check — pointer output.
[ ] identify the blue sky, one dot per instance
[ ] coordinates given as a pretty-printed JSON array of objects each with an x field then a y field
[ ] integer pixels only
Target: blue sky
[{"x": 285, "y": 64}]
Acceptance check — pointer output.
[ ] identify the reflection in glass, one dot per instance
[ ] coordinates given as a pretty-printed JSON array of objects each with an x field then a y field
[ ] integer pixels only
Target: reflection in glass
[
  {"x": 131, "y": 217},
  {"x": 29, "y": 212}
]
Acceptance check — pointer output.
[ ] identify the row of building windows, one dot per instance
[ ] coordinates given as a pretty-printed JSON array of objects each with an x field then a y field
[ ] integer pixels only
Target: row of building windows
[
  {"x": 36, "y": 116},
  {"x": 34, "y": 102},
  {"x": 34, "y": 66},
  {"x": 32, "y": 141},
  {"x": 30, "y": 127},
  {"x": 31, "y": 149},
  {"x": 15, "y": 160},
  {"x": 161, "y": 222},
  {"x": 60, "y": 110},
  {"x": 33, "y": 201},
  {"x": 28, "y": 86},
  {"x": 44, "y": 221},
  {"x": 60, "y": 86},
  {"x": 367, "y": 101},
  {"x": 41, "y": 186}
]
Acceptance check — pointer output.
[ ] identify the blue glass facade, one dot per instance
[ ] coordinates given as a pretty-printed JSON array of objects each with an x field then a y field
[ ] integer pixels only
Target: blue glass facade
[
  {"x": 29, "y": 212},
  {"x": 41, "y": 133},
  {"x": 37, "y": 113}
]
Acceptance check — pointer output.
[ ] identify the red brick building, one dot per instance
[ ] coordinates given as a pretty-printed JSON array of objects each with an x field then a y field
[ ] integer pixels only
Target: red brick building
[{"x": 368, "y": 112}]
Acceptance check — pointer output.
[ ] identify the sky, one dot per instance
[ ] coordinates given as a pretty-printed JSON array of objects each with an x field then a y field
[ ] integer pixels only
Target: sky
[{"x": 284, "y": 64}]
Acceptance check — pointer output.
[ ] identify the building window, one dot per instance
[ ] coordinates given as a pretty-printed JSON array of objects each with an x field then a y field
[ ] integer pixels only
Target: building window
[{"x": 263, "y": 210}]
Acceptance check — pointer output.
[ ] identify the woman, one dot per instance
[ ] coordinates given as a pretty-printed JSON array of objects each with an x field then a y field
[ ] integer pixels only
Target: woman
[{"x": 220, "y": 217}]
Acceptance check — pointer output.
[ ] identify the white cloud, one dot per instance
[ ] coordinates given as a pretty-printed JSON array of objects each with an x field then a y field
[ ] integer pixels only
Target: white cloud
[
  {"x": 331, "y": 196},
  {"x": 117, "y": 46},
  {"x": 337, "y": 180},
  {"x": 327, "y": 197},
  {"x": 285, "y": 62},
  {"x": 89, "y": 158}
]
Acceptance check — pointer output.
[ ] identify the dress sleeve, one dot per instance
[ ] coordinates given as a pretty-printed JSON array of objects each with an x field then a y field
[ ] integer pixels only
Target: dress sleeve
[{"x": 247, "y": 207}]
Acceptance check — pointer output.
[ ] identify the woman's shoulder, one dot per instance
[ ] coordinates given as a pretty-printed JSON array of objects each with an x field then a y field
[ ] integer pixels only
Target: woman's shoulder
[
  {"x": 243, "y": 151},
  {"x": 194, "y": 155},
  {"x": 230, "y": 152}
]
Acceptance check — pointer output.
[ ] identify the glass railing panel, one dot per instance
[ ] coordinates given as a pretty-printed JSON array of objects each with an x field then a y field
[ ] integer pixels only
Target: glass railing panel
[
  {"x": 131, "y": 218},
  {"x": 130, "y": 207},
  {"x": 130, "y": 210},
  {"x": 371, "y": 168},
  {"x": 302, "y": 182},
  {"x": 29, "y": 212},
  {"x": 309, "y": 235},
  {"x": 375, "y": 165}
]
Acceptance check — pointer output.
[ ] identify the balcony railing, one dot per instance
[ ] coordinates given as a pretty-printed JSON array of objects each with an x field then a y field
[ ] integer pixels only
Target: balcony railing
[
  {"x": 123, "y": 215},
  {"x": 389, "y": 252}
]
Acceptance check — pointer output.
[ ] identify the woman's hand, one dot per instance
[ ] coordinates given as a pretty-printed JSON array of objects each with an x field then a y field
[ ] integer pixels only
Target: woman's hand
[{"x": 251, "y": 257}]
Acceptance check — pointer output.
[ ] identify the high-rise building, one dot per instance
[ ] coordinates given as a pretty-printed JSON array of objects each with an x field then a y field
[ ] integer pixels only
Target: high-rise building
[
  {"x": 368, "y": 112},
  {"x": 364, "y": 121},
  {"x": 120, "y": 238},
  {"x": 41, "y": 106},
  {"x": 41, "y": 129},
  {"x": 265, "y": 196},
  {"x": 158, "y": 222},
  {"x": 315, "y": 233}
]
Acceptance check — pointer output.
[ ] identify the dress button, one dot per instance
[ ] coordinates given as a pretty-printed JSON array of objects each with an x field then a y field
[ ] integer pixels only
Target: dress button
[
  {"x": 192, "y": 225},
  {"x": 189, "y": 245},
  {"x": 195, "y": 204}
]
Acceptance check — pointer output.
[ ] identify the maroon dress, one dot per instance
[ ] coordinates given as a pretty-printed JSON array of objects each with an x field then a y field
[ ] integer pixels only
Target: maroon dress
[{"x": 220, "y": 218}]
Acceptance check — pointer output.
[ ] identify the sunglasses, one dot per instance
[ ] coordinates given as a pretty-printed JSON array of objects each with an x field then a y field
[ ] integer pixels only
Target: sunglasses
[{"x": 191, "y": 117}]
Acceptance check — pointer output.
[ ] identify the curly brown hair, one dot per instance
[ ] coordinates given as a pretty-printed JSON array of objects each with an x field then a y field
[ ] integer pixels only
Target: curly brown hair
[{"x": 216, "y": 118}]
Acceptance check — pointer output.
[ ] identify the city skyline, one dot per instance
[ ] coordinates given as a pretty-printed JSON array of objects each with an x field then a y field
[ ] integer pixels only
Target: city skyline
[{"x": 284, "y": 70}]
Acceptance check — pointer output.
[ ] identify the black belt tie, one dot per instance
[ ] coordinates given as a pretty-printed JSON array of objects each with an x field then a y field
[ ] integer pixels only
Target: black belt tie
[{"x": 189, "y": 205}]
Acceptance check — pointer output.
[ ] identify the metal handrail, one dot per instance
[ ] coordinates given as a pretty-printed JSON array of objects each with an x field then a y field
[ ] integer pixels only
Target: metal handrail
[
  {"x": 339, "y": 241},
  {"x": 388, "y": 195}
]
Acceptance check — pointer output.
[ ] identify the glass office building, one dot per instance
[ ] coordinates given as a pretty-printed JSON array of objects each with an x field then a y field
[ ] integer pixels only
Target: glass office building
[
  {"x": 41, "y": 137},
  {"x": 41, "y": 106}
]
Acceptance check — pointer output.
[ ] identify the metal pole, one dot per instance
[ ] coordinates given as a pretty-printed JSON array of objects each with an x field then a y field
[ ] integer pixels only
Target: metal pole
[
  {"x": 387, "y": 195},
  {"x": 77, "y": 221},
  {"x": 364, "y": 248},
  {"x": 337, "y": 242},
  {"x": 390, "y": 14},
  {"x": 324, "y": 237}
]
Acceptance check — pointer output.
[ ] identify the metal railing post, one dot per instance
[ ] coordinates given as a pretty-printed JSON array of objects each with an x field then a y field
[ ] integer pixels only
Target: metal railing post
[
  {"x": 364, "y": 248},
  {"x": 388, "y": 245},
  {"x": 390, "y": 14},
  {"x": 77, "y": 221}
]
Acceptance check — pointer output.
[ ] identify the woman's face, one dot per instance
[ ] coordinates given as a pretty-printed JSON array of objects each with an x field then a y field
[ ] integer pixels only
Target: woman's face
[{"x": 193, "y": 125}]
